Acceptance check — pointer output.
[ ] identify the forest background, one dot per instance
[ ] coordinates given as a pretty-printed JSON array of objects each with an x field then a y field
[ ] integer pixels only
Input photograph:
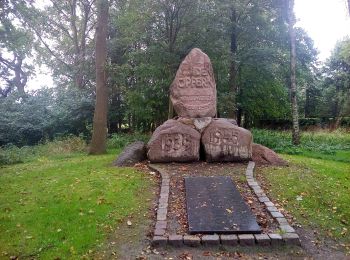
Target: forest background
[{"x": 247, "y": 41}]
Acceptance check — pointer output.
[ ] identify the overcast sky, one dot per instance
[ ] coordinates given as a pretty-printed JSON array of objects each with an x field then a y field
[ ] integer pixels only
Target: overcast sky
[{"x": 326, "y": 21}]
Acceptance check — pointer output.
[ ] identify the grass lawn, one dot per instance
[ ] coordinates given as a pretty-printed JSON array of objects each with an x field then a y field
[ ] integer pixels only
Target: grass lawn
[
  {"x": 315, "y": 188},
  {"x": 65, "y": 206}
]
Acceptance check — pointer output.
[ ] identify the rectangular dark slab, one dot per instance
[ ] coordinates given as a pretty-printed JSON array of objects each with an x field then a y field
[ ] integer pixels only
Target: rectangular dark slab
[{"x": 214, "y": 205}]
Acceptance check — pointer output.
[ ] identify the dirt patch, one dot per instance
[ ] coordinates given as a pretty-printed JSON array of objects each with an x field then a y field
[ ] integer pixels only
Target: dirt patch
[{"x": 177, "y": 215}]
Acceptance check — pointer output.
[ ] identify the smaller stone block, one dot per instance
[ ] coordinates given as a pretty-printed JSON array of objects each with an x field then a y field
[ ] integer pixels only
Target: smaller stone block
[
  {"x": 277, "y": 214},
  {"x": 176, "y": 240},
  {"x": 291, "y": 239},
  {"x": 163, "y": 200},
  {"x": 262, "y": 239},
  {"x": 159, "y": 241},
  {"x": 287, "y": 228},
  {"x": 246, "y": 240},
  {"x": 210, "y": 240},
  {"x": 276, "y": 239},
  {"x": 264, "y": 199},
  {"x": 253, "y": 183},
  {"x": 193, "y": 241},
  {"x": 229, "y": 240},
  {"x": 269, "y": 204},
  {"x": 164, "y": 189},
  {"x": 161, "y": 214},
  {"x": 163, "y": 205},
  {"x": 161, "y": 224},
  {"x": 282, "y": 221},
  {"x": 272, "y": 209},
  {"x": 258, "y": 190},
  {"x": 159, "y": 232}
]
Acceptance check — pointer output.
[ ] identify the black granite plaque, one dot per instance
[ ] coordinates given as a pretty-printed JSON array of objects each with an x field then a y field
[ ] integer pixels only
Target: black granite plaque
[{"x": 214, "y": 205}]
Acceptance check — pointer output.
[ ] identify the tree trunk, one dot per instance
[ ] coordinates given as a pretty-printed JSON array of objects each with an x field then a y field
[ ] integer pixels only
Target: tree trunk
[
  {"x": 293, "y": 85},
  {"x": 99, "y": 135}
]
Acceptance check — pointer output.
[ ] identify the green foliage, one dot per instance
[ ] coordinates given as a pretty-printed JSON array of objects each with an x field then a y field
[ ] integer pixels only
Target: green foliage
[
  {"x": 313, "y": 144},
  {"x": 11, "y": 154},
  {"x": 66, "y": 207},
  {"x": 314, "y": 191},
  {"x": 117, "y": 141},
  {"x": 46, "y": 114}
]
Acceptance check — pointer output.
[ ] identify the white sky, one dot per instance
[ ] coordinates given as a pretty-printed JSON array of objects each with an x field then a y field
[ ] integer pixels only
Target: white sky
[{"x": 326, "y": 21}]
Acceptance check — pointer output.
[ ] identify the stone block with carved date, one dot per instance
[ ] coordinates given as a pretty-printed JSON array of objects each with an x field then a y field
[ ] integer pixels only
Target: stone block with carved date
[
  {"x": 193, "y": 91},
  {"x": 174, "y": 141},
  {"x": 226, "y": 142}
]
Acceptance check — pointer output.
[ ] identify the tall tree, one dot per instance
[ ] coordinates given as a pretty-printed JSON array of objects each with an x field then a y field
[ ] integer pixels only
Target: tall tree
[
  {"x": 15, "y": 48},
  {"x": 64, "y": 38},
  {"x": 99, "y": 135},
  {"x": 293, "y": 84}
]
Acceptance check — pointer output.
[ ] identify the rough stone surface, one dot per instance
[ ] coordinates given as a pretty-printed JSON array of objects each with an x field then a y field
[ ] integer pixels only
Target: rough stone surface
[
  {"x": 159, "y": 241},
  {"x": 276, "y": 214},
  {"x": 230, "y": 120},
  {"x": 159, "y": 231},
  {"x": 262, "y": 240},
  {"x": 291, "y": 239},
  {"x": 276, "y": 239},
  {"x": 174, "y": 142},
  {"x": 192, "y": 240},
  {"x": 176, "y": 240},
  {"x": 133, "y": 153},
  {"x": 287, "y": 228},
  {"x": 265, "y": 156},
  {"x": 246, "y": 240},
  {"x": 229, "y": 240},
  {"x": 225, "y": 142},
  {"x": 161, "y": 224},
  {"x": 197, "y": 123},
  {"x": 210, "y": 240},
  {"x": 193, "y": 91}
]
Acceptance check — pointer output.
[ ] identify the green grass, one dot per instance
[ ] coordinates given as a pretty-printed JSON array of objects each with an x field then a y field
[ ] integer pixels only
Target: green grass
[
  {"x": 66, "y": 205},
  {"x": 315, "y": 189},
  {"x": 320, "y": 145}
]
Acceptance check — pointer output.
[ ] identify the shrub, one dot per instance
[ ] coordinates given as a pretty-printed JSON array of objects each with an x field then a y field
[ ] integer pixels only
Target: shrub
[
  {"x": 11, "y": 154},
  {"x": 321, "y": 141},
  {"x": 120, "y": 140}
]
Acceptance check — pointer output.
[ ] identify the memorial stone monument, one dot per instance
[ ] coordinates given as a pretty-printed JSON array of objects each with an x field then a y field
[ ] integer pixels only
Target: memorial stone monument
[{"x": 193, "y": 95}]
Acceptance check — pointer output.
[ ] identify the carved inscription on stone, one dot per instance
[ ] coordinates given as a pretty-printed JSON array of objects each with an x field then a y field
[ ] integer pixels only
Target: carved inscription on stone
[
  {"x": 227, "y": 142},
  {"x": 193, "y": 91},
  {"x": 224, "y": 141},
  {"x": 176, "y": 142}
]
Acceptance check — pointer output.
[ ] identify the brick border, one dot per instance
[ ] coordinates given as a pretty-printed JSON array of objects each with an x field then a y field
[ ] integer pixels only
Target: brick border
[{"x": 288, "y": 235}]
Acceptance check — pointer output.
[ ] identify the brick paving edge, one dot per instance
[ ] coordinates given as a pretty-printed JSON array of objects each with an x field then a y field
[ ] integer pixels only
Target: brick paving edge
[{"x": 160, "y": 239}]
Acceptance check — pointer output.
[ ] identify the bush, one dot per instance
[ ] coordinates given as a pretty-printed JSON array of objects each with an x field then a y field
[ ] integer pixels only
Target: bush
[
  {"x": 11, "y": 154},
  {"x": 322, "y": 141},
  {"x": 121, "y": 140}
]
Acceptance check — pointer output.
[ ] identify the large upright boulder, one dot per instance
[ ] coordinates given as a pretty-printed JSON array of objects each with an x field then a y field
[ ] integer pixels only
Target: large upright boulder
[
  {"x": 193, "y": 91},
  {"x": 174, "y": 141},
  {"x": 225, "y": 142}
]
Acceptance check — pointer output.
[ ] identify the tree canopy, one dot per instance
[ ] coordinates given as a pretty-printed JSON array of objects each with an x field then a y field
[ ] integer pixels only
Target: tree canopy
[{"x": 247, "y": 42}]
